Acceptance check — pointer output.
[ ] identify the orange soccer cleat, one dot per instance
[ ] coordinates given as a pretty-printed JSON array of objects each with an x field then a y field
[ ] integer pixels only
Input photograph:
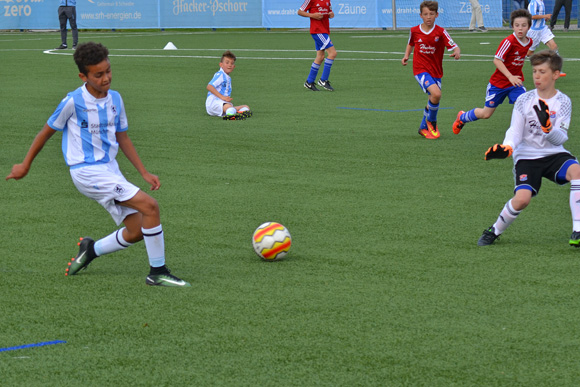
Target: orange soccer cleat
[{"x": 458, "y": 124}]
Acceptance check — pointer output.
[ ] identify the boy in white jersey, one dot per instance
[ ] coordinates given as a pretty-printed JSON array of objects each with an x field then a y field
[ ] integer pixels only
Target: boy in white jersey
[
  {"x": 538, "y": 130},
  {"x": 94, "y": 126},
  {"x": 539, "y": 31},
  {"x": 219, "y": 90}
]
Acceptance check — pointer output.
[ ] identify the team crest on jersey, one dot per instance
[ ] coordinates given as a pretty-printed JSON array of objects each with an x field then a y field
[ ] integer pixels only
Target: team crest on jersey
[
  {"x": 523, "y": 177},
  {"x": 84, "y": 124},
  {"x": 119, "y": 190},
  {"x": 114, "y": 109},
  {"x": 437, "y": 38}
]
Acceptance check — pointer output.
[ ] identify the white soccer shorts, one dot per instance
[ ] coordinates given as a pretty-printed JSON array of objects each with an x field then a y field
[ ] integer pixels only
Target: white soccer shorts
[
  {"x": 215, "y": 106},
  {"x": 544, "y": 36},
  {"x": 105, "y": 184}
]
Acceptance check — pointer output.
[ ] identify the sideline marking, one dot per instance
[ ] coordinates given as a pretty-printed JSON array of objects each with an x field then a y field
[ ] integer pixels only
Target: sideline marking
[
  {"x": 42, "y": 344},
  {"x": 391, "y": 111}
]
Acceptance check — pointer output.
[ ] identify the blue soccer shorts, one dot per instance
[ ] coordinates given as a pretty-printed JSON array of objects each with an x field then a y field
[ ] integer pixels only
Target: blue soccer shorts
[
  {"x": 425, "y": 80},
  {"x": 528, "y": 174},
  {"x": 494, "y": 96},
  {"x": 322, "y": 41}
]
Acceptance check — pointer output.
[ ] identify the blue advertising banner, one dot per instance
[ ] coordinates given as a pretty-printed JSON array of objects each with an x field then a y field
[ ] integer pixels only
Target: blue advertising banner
[
  {"x": 452, "y": 13},
  {"x": 354, "y": 14},
  {"x": 127, "y": 14},
  {"x": 211, "y": 13}
]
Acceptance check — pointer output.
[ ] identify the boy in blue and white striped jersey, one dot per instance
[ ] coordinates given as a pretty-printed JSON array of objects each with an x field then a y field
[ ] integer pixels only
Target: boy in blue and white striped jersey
[
  {"x": 94, "y": 125},
  {"x": 219, "y": 90}
]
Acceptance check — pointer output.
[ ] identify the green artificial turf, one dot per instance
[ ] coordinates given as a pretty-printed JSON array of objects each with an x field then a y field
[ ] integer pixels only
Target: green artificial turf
[{"x": 384, "y": 284}]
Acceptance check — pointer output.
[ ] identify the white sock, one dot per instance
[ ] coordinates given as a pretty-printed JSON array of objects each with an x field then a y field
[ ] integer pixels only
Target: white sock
[
  {"x": 155, "y": 245},
  {"x": 111, "y": 243},
  {"x": 575, "y": 204},
  {"x": 505, "y": 218}
]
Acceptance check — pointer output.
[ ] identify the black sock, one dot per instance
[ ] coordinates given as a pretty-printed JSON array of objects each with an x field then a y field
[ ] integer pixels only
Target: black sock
[{"x": 158, "y": 270}]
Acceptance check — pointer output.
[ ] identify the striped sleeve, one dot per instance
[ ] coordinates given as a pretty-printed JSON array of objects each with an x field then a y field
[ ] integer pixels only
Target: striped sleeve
[
  {"x": 503, "y": 49},
  {"x": 305, "y": 5}
]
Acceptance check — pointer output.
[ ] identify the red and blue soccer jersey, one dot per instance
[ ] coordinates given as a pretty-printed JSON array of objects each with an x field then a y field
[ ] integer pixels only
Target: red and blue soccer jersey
[
  {"x": 318, "y": 6},
  {"x": 429, "y": 49},
  {"x": 512, "y": 53}
]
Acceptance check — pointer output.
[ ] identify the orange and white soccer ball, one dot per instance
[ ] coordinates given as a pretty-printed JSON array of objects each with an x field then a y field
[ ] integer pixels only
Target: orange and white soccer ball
[{"x": 271, "y": 241}]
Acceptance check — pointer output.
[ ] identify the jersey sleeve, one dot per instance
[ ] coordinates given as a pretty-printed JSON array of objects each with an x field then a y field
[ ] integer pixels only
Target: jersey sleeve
[
  {"x": 122, "y": 125},
  {"x": 305, "y": 6},
  {"x": 217, "y": 80},
  {"x": 514, "y": 135},
  {"x": 61, "y": 115},
  {"x": 559, "y": 135},
  {"x": 411, "y": 41},
  {"x": 449, "y": 43},
  {"x": 532, "y": 8},
  {"x": 503, "y": 49}
]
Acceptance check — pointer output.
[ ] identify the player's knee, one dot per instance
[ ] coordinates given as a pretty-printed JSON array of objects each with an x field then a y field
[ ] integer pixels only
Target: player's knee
[
  {"x": 150, "y": 207},
  {"x": 521, "y": 201}
]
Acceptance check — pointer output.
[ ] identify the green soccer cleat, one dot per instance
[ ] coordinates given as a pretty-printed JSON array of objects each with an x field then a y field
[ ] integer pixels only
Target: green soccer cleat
[
  {"x": 166, "y": 279},
  {"x": 84, "y": 257},
  {"x": 575, "y": 239},
  {"x": 488, "y": 237}
]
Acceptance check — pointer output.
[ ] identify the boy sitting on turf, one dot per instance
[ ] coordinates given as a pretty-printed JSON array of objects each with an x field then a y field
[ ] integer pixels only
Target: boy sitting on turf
[
  {"x": 94, "y": 125},
  {"x": 430, "y": 40},
  {"x": 538, "y": 130},
  {"x": 508, "y": 78},
  {"x": 219, "y": 90}
]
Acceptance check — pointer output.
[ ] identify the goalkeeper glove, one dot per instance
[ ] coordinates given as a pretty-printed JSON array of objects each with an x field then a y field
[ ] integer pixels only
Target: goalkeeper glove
[
  {"x": 498, "y": 151},
  {"x": 543, "y": 113}
]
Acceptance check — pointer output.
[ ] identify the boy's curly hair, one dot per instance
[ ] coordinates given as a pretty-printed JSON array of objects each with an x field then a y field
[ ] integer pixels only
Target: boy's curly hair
[
  {"x": 88, "y": 54},
  {"x": 521, "y": 13}
]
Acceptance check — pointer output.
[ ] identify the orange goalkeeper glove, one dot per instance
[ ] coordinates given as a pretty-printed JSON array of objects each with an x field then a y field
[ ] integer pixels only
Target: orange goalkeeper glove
[
  {"x": 543, "y": 113},
  {"x": 498, "y": 151}
]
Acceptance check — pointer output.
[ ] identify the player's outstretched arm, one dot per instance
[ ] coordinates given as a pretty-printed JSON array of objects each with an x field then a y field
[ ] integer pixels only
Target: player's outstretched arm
[
  {"x": 498, "y": 151},
  {"x": 21, "y": 170},
  {"x": 130, "y": 152}
]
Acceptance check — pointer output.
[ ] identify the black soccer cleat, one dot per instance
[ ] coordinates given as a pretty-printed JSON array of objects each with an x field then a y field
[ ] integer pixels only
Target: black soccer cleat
[
  {"x": 235, "y": 117},
  {"x": 488, "y": 237},
  {"x": 310, "y": 86},
  {"x": 246, "y": 113},
  {"x": 84, "y": 257},
  {"x": 325, "y": 85}
]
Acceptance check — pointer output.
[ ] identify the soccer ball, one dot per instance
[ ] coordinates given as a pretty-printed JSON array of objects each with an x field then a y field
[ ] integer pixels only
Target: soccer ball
[{"x": 271, "y": 241}]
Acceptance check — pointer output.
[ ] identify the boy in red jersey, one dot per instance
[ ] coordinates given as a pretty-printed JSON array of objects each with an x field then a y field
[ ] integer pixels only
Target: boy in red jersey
[
  {"x": 508, "y": 79},
  {"x": 319, "y": 12},
  {"x": 430, "y": 40}
]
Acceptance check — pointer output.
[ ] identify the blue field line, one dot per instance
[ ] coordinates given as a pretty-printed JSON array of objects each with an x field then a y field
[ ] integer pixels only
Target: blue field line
[
  {"x": 32, "y": 345},
  {"x": 391, "y": 111}
]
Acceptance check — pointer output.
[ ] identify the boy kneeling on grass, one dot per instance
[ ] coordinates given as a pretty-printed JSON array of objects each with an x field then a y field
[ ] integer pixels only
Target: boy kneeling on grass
[{"x": 538, "y": 130}]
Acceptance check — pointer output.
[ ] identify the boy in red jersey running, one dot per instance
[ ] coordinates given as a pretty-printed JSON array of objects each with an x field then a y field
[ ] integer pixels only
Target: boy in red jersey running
[
  {"x": 508, "y": 78},
  {"x": 319, "y": 12},
  {"x": 430, "y": 40}
]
